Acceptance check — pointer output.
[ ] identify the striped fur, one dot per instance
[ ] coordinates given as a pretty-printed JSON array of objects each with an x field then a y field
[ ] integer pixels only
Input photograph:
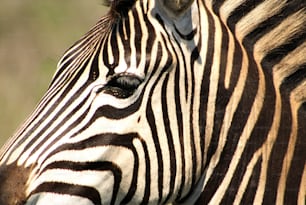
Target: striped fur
[{"x": 202, "y": 107}]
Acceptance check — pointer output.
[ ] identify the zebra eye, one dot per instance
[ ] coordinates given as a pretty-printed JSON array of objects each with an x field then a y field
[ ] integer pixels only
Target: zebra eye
[{"x": 122, "y": 85}]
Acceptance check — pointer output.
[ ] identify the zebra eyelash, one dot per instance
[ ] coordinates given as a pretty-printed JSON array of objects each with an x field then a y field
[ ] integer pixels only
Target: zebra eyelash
[
  {"x": 125, "y": 81},
  {"x": 122, "y": 85}
]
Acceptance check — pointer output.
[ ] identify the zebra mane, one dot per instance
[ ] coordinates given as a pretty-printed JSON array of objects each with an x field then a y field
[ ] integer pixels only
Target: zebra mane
[{"x": 119, "y": 7}]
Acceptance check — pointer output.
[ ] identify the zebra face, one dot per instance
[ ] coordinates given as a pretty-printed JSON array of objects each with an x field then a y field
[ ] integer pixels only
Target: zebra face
[
  {"x": 107, "y": 116},
  {"x": 196, "y": 102}
]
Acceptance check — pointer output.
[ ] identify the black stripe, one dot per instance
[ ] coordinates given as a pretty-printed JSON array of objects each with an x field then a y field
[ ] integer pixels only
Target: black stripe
[
  {"x": 297, "y": 166},
  {"x": 205, "y": 84},
  {"x": 111, "y": 112},
  {"x": 92, "y": 166},
  {"x": 124, "y": 24},
  {"x": 188, "y": 36},
  {"x": 82, "y": 45},
  {"x": 269, "y": 24},
  {"x": 70, "y": 189},
  {"x": 239, "y": 121},
  {"x": 160, "y": 20},
  {"x": 101, "y": 25},
  {"x": 236, "y": 66},
  {"x": 195, "y": 56},
  {"x": 249, "y": 194},
  {"x": 180, "y": 125},
  {"x": 294, "y": 79},
  {"x": 70, "y": 127},
  {"x": 278, "y": 151},
  {"x": 298, "y": 161},
  {"x": 259, "y": 133},
  {"x": 107, "y": 139},
  {"x": 187, "y": 83},
  {"x": 256, "y": 140},
  {"x": 169, "y": 136},
  {"x": 151, "y": 120},
  {"x": 112, "y": 38},
  {"x": 54, "y": 106},
  {"x": 115, "y": 113},
  {"x": 138, "y": 36},
  {"x": 216, "y": 5},
  {"x": 241, "y": 11},
  {"x": 147, "y": 190},
  {"x": 44, "y": 102},
  {"x": 94, "y": 73},
  {"x": 195, "y": 163},
  {"x": 185, "y": 69},
  {"x": 150, "y": 42},
  {"x": 152, "y": 123},
  {"x": 277, "y": 54},
  {"x": 237, "y": 125}
]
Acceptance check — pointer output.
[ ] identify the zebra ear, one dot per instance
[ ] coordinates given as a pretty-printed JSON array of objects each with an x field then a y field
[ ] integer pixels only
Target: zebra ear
[
  {"x": 121, "y": 7},
  {"x": 176, "y": 7},
  {"x": 106, "y": 3}
]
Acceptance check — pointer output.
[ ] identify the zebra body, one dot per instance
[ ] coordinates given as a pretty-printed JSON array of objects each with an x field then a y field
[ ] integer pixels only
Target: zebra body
[{"x": 191, "y": 102}]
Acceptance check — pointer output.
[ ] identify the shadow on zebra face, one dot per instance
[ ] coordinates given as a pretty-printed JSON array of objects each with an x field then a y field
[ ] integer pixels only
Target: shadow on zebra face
[{"x": 170, "y": 102}]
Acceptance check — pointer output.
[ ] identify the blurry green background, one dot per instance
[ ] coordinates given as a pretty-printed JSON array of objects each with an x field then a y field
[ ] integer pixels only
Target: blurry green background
[{"x": 33, "y": 36}]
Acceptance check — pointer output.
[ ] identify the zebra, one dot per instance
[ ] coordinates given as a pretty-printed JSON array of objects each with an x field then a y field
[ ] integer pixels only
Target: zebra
[{"x": 171, "y": 102}]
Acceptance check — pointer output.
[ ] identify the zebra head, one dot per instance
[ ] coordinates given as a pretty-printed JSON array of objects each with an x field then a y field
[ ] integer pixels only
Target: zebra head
[
  {"x": 115, "y": 121},
  {"x": 177, "y": 102}
]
